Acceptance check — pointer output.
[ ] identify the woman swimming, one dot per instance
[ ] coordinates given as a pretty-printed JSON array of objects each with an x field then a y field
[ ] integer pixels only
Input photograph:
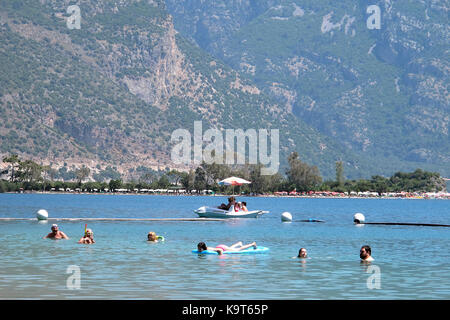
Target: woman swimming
[
  {"x": 201, "y": 246},
  {"x": 88, "y": 237},
  {"x": 302, "y": 253}
]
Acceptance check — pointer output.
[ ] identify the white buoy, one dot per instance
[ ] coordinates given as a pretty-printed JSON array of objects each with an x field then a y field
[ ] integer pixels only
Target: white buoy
[
  {"x": 359, "y": 218},
  {"x": 42, "y": 214},
  {"x": 286, "y": 216}
]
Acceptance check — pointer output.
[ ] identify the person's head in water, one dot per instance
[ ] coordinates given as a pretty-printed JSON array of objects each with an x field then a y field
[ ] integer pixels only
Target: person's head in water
[
  {"x": 89, "y": 233},
  {"x": 302, "y": 253},
  {"x": 152, "y": 236},
  {"x": 201, "y": 246},
  {"x": 365, "y": 253},
  {"x": 54, "y": 228},
  {"x": 56, "y": 233}
]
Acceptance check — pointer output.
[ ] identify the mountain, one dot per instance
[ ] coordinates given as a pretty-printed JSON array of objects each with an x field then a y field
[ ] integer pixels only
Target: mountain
[
  {"x": 113, "y": 91},
  {"x": 382, "y": 93}
]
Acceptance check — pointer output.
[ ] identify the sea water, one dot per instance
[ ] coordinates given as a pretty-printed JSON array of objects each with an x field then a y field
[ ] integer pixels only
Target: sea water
[{"x": 410, "y": 262}]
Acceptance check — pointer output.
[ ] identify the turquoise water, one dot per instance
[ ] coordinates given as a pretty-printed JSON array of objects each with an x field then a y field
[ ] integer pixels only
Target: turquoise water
[{"x": 414, "y": 262}]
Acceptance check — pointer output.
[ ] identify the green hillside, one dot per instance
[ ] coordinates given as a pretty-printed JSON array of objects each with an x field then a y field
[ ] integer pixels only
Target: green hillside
[
  {"x": 381, "y": 93},
  {"x": 113, "y": 91}
]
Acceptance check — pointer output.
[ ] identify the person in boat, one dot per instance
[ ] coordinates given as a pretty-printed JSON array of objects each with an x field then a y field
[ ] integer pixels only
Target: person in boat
[
  {"x": 366, "y": 254},
  {"x": 221, "y": 248},
  {"x": 231, "y": 202},
  {"x": 302, "y": 253},
  {"x": 88, "y": 237},
  {"x": 244, "y": 206},
  {"x": 152, "y": 237},
  {"x": 56, "y": 234},
  {"x": 237, "y": 206}
]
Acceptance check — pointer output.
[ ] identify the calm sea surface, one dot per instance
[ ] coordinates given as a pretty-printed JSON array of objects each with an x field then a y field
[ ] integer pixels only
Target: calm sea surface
[{"x": 413, "y": 262}]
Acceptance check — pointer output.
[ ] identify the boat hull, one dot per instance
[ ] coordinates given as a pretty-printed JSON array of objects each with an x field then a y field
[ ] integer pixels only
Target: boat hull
[{"x": 209, "y": 212}]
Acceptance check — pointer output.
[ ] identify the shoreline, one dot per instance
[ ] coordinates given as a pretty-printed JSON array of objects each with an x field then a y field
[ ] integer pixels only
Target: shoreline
[{"x": 416, "y": 197}]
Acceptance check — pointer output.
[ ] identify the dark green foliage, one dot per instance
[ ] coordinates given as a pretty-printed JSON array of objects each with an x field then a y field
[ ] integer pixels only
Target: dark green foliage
[
  {"x": 302, "y": 176},
  {"x": 107, "y": 174}
]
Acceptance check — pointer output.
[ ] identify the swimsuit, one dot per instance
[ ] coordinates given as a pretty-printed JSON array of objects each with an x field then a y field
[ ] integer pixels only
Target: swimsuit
[{"x": 223, "y": 247}]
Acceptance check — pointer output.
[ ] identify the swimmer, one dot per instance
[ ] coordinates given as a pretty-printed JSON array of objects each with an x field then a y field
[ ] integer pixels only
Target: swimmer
[
  {"x": 221, "y": 248},
  {"x": 88, "y": 237},
  {"x": 366, "y": 254},
  {"x": 302, "y": 253},
  {"x": 201, "y": 246},
  {"x": 56, "y": 234},
  {"x": 152, "y": 237}
]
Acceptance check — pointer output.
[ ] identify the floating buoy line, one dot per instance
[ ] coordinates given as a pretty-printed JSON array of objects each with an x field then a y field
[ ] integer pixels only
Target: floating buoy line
[{"x": 359, "y": 219}]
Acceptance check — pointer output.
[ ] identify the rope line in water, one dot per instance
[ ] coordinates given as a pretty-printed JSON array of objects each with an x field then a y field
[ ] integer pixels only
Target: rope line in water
[{"x": 407, "y": 224}]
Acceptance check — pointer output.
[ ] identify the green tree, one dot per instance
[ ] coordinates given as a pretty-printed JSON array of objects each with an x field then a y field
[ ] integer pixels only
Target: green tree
[
  {"x": 82, "y": 174},
  {"x": 29, "y": 171},
  {"x": 147, "y": 177},
  {"x": 302, "y": 176},
  {"x": 163, "y": 182},
  {"x": 340, "y": 173},
  {"x": 380, "y": 184},
  {"x": 276, "y": 182},
  {"x": 187, "y": 180},
  {"x": 200, "y": 179},
  {"x": 176, "y": 175},
  {"x": 115, "y": 184},
  {"x": 259, "y": 182},
  {"x": 50, "y": 172},
  {"x": 215, "y": 172}
]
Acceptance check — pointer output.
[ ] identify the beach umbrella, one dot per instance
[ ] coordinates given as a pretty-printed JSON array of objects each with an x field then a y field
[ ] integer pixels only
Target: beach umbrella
[{"x": 233, "y": 181}]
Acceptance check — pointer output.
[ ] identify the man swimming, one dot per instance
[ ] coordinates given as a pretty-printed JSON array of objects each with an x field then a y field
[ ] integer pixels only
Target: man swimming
[
  {"x": 56, "y": 234},
  {"x": 366, "y": 254}
]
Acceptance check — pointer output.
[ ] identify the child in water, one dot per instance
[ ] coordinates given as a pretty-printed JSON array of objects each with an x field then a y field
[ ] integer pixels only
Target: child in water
[{"x": 152, "y": 237}]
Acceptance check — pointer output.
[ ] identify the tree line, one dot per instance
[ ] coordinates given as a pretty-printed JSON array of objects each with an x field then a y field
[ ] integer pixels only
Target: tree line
[{"x": 298, "y": 176}]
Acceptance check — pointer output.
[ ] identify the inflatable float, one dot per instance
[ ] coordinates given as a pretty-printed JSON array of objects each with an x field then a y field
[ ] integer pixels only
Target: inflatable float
[{"x": 246, "y": 251}]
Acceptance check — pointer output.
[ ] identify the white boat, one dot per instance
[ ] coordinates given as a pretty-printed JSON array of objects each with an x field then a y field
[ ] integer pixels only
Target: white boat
[{"x": 212, "y": 212}]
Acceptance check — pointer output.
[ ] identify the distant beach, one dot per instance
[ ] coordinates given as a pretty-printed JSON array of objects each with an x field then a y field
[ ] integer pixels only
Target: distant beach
[{"x": 313, "y": 195}]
